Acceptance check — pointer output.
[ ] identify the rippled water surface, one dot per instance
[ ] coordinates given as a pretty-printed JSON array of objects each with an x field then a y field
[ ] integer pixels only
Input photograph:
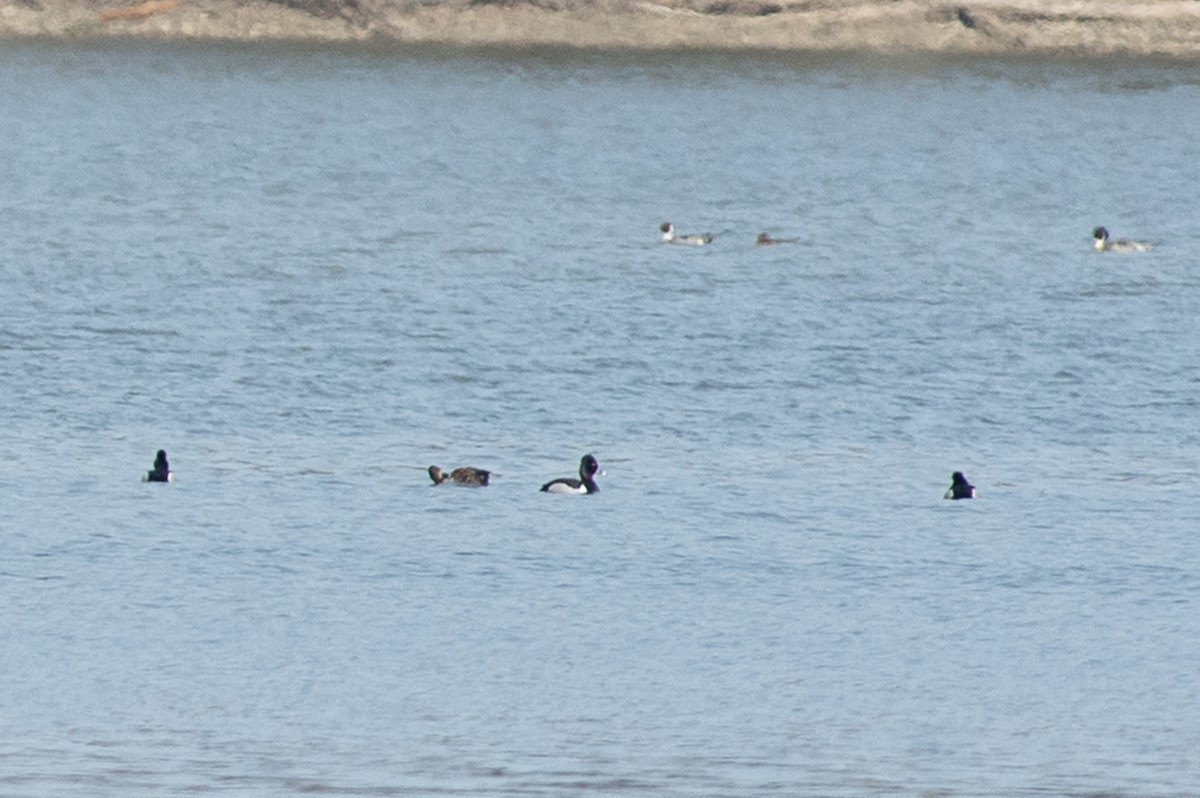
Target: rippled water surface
[{"x": 309, "y": 274}]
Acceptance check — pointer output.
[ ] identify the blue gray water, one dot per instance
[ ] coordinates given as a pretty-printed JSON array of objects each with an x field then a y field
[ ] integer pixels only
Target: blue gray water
[{"x": 308, "y": 274}]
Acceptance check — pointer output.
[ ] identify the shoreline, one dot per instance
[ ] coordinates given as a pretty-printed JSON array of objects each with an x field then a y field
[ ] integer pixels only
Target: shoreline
[{"x": 1063, "y": 28}]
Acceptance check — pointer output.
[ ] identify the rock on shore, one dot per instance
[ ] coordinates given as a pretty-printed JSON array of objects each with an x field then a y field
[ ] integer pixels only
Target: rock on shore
[{"x": 1168, "y": 28}]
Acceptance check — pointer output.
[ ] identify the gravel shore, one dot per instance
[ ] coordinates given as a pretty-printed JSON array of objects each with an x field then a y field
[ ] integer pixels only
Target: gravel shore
[{"x": 1153, "y": 28}]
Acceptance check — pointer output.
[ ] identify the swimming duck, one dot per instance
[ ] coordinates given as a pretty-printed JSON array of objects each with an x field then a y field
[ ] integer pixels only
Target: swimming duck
[
  {"x": 472, "y": 477},
  {"x": 959, "y": 487},
  {"x": 588, "y": 468},
  {"x": 161, "y": 471},
  {"x": 692, "y": 239},
  {"x": 765, "y": 240},
  {"x": 1106, "y": 244}
]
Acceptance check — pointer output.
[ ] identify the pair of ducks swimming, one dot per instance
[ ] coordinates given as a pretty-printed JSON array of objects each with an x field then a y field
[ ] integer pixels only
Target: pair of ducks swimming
[
  {"x": 700, "y": 239},
  {"x": 589, "y": 467},
  {"x": 1103, "y": 241},
  {"x": 477, "y": 477}
]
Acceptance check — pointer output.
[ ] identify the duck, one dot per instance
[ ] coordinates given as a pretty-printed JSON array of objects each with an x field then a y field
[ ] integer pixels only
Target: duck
[
  {"x": 1106, "y": 244},
  {"x": 161, "y": 471},
  {"x": 588, "y": 468},
  {"x": 959, "y": 487},
  {"x": 765, "y": 240},
  {"x": 692, "y": 239},
  {"x": 471, "y": 477}
]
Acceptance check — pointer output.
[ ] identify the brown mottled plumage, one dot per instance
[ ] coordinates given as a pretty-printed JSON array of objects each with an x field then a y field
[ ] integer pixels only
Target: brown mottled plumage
[
  {"x": 765, "y": 240},
  {"x": 475, "y": 477}
]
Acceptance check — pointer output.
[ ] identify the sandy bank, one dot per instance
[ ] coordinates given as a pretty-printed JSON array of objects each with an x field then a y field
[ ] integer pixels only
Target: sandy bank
[{"x": 1087, "y": 27}]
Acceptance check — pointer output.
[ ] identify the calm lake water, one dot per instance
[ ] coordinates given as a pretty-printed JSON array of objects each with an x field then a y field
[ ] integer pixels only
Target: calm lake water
[{"x": 308, "y": 274}]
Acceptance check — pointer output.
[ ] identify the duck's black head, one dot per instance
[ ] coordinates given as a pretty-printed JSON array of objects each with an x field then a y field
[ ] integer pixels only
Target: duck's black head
[
  {"x": 959, "y": 487},
  {"x": 588, "y": 467},
  {"x": 1100, "y": 233}
]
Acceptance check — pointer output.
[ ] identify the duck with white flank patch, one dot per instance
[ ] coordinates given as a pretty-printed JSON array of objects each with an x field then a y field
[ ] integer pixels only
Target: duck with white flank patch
[
  {"x": 588, "y": 468},
  {"x": 692, "y": 239},
  {"x": 959, "y": 487},
  {"x": 1106, "y": 244},
  {"x": 161, "y": 471}
]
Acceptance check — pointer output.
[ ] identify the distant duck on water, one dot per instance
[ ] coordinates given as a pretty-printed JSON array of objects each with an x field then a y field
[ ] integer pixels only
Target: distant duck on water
[
  {"x": 959, "y": 487},
  {"x": 766, "y": 240},
  {"x": 1106, "y": 244},
  {"x": 471, "y": 477},
  {"x": 588, "y": 468},
  {"x": 692, "y": 239},
  {"x": 161, "y": 471}
]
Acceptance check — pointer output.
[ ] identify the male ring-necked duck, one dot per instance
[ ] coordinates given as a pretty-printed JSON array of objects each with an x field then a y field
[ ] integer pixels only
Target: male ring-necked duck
[
  {"x": 161, "y": 471},
  {"x": 1106, "y": 244},
  {"x": 588, "y": 468},
  {"x": 472, "y": 477},
  {"x": 692, "y": 239},
  {"x": 959, "y": 487}
]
